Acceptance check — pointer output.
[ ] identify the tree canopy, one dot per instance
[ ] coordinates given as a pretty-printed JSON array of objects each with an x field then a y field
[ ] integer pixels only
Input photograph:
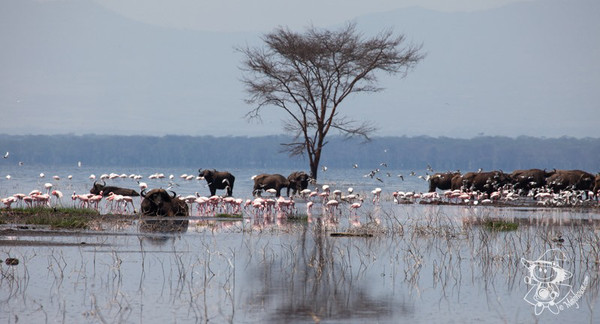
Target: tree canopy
[{"x": 308, "y": 76}]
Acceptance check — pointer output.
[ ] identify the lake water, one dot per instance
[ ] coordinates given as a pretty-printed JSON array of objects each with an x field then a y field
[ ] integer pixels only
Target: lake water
[{"x": 423, "y": 263}]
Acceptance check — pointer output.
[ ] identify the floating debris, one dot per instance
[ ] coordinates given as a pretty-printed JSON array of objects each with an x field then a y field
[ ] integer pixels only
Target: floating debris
[{"x": 11, "y": 261}]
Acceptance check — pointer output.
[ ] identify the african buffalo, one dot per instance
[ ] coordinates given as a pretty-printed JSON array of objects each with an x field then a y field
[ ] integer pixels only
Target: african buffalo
[
  {"x": 158, "y": 202},
  {"x": 269, "y": 181},
  {"x": 218, "y": 180},
  {"x": 481, "y": 181},
  {"x": 529, "y": 179},
  {"x": 298, "y": 182},
  {"x": 442, "y": 181},
  {"x": 570, "y": 180},
  {"x": 106, "y": 190}
]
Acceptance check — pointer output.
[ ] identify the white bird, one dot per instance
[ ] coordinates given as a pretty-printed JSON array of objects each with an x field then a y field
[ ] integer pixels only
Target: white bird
[
  {"x": 6, "y": 155},
  {"x": 8, "y": 177},
  {"x": 42, "y": 175},
  {"x": 79, "y": 164}
]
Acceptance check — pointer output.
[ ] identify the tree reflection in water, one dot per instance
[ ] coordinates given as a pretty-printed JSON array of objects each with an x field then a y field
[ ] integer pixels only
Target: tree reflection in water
[{"x": 320, "y": 277}]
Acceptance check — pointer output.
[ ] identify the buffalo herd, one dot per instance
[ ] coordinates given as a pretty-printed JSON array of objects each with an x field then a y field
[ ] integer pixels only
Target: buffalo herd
[
  {"x": 523, "y": 181},
  {"x": 160, "y": 202}
]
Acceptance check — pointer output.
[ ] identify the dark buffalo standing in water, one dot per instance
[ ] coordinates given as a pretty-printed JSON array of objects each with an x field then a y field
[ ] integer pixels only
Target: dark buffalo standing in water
[
  {"x": 481, "y": 181},
  {"x": 596, "y": 185},
  {"x": 442, "y": 181},
  {"x": 158, "y": 202},
  {"x": 106, "y": 190},
  {"x": 270, "y": 181},
  {"x": 298, "y": 181},
  {"x": 218, "y": 180},
  {"x": 529, "y": 179},
  {"x": 570, "y": 180}
]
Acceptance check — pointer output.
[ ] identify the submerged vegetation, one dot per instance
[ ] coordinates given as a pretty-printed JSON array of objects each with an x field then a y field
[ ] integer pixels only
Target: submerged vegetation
[
  {"x": 501, "y": 225},
  {"x": 226, "y": 215}
]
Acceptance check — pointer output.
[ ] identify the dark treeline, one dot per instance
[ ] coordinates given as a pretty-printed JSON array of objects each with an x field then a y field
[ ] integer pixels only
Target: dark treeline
[{"x": 267, "y": 152}]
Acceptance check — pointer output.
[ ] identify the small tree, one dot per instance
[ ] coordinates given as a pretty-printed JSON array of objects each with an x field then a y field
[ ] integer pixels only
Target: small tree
[{"x": 309, "y": 75}]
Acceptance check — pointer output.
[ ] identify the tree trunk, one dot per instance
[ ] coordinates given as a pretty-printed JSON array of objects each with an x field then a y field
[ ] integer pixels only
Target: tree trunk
[{"x": 314, "y": 164}]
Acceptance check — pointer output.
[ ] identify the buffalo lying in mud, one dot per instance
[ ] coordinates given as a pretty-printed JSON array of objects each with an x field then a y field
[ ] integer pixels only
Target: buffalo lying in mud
[
  {"x": 106, "y": 190},
  {"x": 158, "y": 202}
]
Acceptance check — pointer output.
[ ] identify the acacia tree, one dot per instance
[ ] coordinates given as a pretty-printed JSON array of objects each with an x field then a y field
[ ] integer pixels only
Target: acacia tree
[{"x": 309, "y": 75}]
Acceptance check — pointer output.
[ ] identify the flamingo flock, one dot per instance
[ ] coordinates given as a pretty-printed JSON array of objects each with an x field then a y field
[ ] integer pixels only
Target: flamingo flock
[{"x": 331, "y": 201}]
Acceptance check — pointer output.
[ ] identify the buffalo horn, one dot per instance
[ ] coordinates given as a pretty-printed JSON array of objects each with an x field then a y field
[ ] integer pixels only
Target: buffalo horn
[
  {"x": 174, "y": 194},
  {"x": 143, "y": 193}
]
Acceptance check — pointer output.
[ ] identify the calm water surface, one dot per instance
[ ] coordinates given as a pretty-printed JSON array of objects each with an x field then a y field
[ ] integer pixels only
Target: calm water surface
[{"x": 423, "y": 263}]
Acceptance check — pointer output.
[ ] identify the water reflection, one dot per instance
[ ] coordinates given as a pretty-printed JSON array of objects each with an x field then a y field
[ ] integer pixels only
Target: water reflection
[
  {"x": 313, "y": 278},
  {"x": 161, "y": 230},
  {"x": 422, "y": 264},
  {"x": 163, "y": 225}
]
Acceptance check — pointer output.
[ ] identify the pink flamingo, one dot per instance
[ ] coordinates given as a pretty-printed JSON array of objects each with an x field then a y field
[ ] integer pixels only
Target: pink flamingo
[
  {"x": 309, "y": 207},
  {"x": 9, "y": 201},
  {"x": 95, "y": 200},
  {"x": 332, "y": 205},
  {"x": 58, "y": 194},
  {"x": 376, "y": 195},
  {"x": 128, "y": 200},
  {"x": 355, "y": 206}
]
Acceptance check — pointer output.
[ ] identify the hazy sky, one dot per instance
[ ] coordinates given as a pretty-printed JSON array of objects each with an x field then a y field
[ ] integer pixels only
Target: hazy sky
[
  {"x": 262, "y": 15},
  {"x": 150, "y": 67}
]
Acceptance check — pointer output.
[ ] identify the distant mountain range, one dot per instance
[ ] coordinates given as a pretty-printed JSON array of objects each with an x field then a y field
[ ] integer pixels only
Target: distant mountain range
[{"x": 529, "y": 68}]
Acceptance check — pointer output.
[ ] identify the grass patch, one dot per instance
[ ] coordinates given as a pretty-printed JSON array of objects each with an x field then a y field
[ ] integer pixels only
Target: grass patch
[
  {"x": 58, "y": 221},
  {"x": 223, "y": 215},
  {"x": 501, "y": 226},
  {"x": 34, "y": 211},
  {"x": 55, "y": 217},
  {"x": 298, "y": 218}
]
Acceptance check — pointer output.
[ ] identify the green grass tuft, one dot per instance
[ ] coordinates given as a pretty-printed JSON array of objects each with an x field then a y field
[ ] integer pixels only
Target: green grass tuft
[
  {"x": 298, "y": 218},
  {"x": 229, "y": 216},
  {"x": 63, "y": 221},
  {"x": 501, "y": 226},
  {"x": 55, "y": 217}
]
